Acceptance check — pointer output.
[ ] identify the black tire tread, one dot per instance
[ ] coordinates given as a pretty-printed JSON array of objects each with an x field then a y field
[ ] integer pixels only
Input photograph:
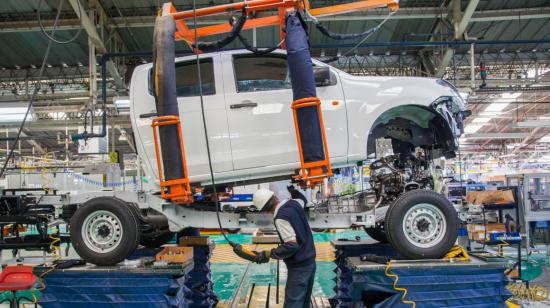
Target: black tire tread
[
  {"x": 130, "y": 224},
  {"x": 394, "y": 234}
]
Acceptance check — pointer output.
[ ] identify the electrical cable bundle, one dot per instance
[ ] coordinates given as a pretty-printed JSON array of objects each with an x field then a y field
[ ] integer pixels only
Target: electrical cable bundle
[
  {"x": 339, "y": 36},
  {"x": 217, "y": 45}
]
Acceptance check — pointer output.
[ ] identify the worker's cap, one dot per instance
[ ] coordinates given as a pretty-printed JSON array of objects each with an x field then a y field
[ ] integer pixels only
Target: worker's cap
[{"x": 261, "y": 197}]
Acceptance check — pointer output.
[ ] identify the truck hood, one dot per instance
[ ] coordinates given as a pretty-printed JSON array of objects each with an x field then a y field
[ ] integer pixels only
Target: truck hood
[{"x": 419, "y": 89}]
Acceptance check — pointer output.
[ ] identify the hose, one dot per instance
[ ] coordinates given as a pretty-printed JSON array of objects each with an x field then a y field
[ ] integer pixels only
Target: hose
[
  {"x": 395, "y": 287},
  {"x": 217, "y": 45},
  {"x": 255, "y": 50},
  {"x": 55, "y": 246},
  {"x": 338, "y": 36},
  {"x": 367, "y": 34},
  {"x": 50, "y": 37},
  {"x": 209, "y": 155}
]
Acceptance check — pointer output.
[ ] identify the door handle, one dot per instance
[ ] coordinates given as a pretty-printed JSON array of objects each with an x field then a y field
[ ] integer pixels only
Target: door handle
[
  {"x": 243, "y": 105},
  {"x": 148, "y": 115}
]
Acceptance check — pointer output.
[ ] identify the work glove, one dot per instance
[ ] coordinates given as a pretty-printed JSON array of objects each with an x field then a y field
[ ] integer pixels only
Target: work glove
[
  {"x": 251, "y": 255},
  {"x": 263, "y": 256}
]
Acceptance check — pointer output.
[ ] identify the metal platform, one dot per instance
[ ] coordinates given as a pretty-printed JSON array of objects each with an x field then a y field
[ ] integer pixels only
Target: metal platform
[
  {"x": 357, "y": 265},
  {"x": 429, "y": 283},
  {"x": 182, "y": 269},
  {"x": 136, "y": 283}
]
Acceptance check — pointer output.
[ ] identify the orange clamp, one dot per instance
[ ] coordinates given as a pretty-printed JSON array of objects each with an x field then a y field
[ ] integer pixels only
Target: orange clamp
[
  {"x": 311, "y": 173},
  {"x": 176, "y": 190}
]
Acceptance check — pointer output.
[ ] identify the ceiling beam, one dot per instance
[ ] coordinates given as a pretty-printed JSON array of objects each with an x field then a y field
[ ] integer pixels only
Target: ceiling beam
[
  {"x": 460, "y": 28},
  {"x": 496, "y": 136},
  {"x": 34, "y": 143},
  {"x": 531, "y": 124},
  {"x": 90, "y": 28}
]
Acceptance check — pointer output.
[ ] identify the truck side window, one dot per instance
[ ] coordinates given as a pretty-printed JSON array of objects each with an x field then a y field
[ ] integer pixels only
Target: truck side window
[
  {"x": 187, "y": 81},
  {"x": 260, "y": 73}
]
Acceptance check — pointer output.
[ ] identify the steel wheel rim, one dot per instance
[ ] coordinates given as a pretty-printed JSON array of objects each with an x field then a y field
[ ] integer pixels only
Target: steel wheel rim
[
  {"x": 424, "y": 225},
  {"x": 102, "y": 231}
]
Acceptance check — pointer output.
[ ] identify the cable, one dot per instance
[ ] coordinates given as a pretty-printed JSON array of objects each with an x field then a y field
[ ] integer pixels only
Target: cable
[
  {"x": 55, "y": 246},
  {"x": 217, "y": 45},
  {"x": 33, "y": 96},
  {"x": 256, "y": 50},
  {"x": 209, "y": 155},
  {"x": 336, "y": 36},
  {"x": 50, "y": 37},
  {"x": 395, "y": 287},
  {"x": 374, "y": 30}
]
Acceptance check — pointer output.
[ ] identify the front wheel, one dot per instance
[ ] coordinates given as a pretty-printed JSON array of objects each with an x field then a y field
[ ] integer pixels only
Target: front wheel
[
  {"x": 104, "y": 231},
  {"x": 422, "y": 224}
]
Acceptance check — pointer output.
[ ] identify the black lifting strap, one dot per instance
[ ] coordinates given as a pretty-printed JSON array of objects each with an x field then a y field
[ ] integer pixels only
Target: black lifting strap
[{"x": 217, "y": 45}]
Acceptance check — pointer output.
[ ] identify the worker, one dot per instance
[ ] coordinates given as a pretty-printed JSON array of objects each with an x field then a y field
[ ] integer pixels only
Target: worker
[{"x": 297, "y": 249}]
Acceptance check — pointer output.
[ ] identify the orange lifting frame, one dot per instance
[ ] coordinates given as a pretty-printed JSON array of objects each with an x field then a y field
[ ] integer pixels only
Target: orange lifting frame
[
  {"x": 178, "y": 190},
  {"x": 188, "y": 34},
  {"x": 312, "y": 173}
]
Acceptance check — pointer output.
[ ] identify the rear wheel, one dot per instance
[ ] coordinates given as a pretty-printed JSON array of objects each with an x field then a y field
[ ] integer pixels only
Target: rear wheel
[
  {"x": 104, "y": 231},
  {"x": 422, "y": 224}
]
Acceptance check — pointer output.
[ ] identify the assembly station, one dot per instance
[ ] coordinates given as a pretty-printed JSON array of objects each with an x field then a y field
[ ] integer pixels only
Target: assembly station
[{"x": 274, "y": 153}]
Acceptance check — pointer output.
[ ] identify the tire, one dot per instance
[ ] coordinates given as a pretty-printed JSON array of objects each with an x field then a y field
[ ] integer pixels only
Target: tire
[
  {"x": 422, "y": 224},
  {"x": 104, "y": 231},
  {"x": 377, "y": 233},
  {"x": 156, "y": 238}
]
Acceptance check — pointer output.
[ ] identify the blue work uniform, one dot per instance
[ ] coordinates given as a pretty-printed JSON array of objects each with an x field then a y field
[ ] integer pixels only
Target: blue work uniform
[{"x": 298, "y": 253}]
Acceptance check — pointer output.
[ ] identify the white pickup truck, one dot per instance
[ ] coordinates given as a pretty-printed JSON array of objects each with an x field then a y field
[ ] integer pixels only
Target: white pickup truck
[
  {"x": 249, "y": 121},
  {"x": 252, "y": 138}
]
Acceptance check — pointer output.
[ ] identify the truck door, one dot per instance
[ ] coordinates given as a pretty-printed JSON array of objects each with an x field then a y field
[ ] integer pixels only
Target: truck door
[
  {"x": 187, "y": 87},
  {"x": 258, "y": 97}
]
